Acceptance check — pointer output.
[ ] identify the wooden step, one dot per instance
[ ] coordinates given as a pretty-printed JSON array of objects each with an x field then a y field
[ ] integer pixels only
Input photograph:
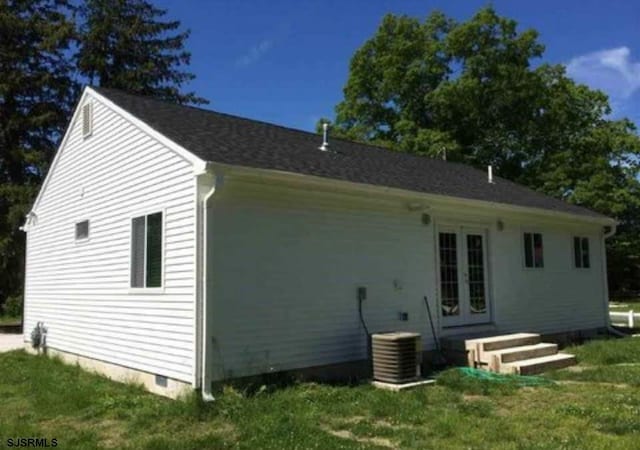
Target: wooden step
[
  {"x": 469, "y": 349},
  {"x": 505, "y": 341},
  {"x": 538, "y": 365},
  {"x": 496, "y": 358}
]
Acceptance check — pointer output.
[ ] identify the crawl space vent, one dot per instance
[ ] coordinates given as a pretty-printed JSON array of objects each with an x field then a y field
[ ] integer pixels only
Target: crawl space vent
[{"x": 162, "y": 381}]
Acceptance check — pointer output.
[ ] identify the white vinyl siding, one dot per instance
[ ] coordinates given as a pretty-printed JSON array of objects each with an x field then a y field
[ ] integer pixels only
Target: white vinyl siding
[
  {"x": 285, "y": 270},
  {"x": 83, "y": 293},
  {"x": 556, "y": 299},
  {"x": 286, "y": 264}
]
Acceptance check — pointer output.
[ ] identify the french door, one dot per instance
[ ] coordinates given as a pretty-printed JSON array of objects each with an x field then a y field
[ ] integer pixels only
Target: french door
[{"x": 462, "y": 257}]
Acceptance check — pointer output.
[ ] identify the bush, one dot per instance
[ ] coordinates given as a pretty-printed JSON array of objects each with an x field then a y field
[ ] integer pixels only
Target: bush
[{"x": 13, "y": 306}]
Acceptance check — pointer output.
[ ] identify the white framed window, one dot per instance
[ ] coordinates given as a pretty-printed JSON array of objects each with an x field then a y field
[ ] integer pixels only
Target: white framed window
[
  {"x": 87, "y": 119},
  {"x": 82, "y": 230},
  {"x": 146, "y": 251},
  {"x": 533, "y": 250},
  {"x": 581, "y": 258}
]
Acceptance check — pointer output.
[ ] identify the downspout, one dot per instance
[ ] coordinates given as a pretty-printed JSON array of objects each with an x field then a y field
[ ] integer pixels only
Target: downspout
[
  {"x": 31, "y": 219},
  {"x": 206, "y": 388},
  {"x": 605, "y": 283}
]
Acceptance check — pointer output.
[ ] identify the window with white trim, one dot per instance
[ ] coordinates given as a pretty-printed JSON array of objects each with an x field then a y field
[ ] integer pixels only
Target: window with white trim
[
  {"x": 581, "y": 258},
  {"x": 146, "y": 251},
  {"x": 533, "y": 251},
  {"x": 82, "y": 230}
]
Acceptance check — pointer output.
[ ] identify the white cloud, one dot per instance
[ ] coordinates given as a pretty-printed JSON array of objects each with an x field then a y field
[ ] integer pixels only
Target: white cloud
[
  {"x": 613, "y": 71},
  {"x": 255, "y": 53}
]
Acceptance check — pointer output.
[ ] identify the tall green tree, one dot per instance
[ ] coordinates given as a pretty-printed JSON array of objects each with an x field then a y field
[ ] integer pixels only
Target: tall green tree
[
  {"x": 36, "y": 95},
  {"x": 478, "y": 92},
  {"x": 126, "y": 44}
]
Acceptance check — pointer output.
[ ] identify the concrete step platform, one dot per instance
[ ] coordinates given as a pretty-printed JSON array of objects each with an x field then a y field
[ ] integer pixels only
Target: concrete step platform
[{"x": 538, "y": 365}]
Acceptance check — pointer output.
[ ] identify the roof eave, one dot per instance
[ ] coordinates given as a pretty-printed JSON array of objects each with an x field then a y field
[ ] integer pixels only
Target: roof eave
[{"x": 272, "y": 174}]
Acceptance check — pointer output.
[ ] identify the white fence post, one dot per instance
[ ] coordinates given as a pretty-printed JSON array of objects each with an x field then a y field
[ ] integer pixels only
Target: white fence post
[{"x": 624, "y": 318}]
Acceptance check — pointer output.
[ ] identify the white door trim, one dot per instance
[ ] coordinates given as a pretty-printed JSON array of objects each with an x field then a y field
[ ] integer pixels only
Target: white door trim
[{"x": 464, "y": 317}]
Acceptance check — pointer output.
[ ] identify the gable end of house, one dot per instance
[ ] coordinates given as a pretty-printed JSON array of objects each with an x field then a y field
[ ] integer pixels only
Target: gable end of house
[{"x": 84, "y": 113}]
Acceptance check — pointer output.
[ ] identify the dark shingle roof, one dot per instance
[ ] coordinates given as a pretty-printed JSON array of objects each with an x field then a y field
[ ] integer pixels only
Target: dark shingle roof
[{"x": 227, "y": 139}]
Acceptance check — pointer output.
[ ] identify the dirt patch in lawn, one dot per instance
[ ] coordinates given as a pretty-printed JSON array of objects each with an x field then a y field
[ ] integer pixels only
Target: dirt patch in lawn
[{"x": 346, "y": 434}]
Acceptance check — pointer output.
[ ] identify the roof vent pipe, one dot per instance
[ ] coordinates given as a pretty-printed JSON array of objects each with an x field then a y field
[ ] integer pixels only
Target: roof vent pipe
[
  {"x": 490, "y": 174},
  {"x": 325, "y": 145}
]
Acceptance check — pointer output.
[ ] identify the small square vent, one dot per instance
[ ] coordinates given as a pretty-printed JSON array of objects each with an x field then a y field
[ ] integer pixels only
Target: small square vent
[
  {"x": 162, "y": 381},
  {"x": 82, "y": 230},
  {"x": 87, "y": 120}
]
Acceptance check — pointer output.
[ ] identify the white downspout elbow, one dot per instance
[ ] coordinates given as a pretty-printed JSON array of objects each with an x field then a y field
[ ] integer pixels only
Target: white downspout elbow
[{"x": 611, "y": 232}]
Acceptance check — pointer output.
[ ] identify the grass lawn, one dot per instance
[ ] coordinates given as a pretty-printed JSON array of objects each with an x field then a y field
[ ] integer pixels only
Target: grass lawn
[
  {"x": 625, "y": 304},
  {"x": 8, "y": 320},
  {"x": 596, "y": 405}
]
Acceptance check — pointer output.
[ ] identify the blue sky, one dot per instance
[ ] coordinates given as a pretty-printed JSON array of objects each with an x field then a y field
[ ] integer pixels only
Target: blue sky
[{"x": 286, "y": 61}]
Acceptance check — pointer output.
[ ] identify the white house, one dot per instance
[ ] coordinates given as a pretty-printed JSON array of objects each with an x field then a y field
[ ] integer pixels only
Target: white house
[{"x": 180, "y": 246}]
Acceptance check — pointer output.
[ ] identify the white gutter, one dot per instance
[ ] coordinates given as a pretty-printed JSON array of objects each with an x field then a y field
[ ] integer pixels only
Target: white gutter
[
  {"x": 368, "y": 189},
  {"x": 206, "y": 388}
]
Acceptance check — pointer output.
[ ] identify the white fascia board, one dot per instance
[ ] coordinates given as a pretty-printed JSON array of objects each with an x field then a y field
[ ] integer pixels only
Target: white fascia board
[
  {"x": 199, "y": 165},
  {"x": 269, "y": 174}
]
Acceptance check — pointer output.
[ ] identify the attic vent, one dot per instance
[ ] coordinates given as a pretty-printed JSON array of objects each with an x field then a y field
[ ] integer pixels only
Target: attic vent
[
  {"x": 87, "y": 120},
  {"x": 396, "y": 357}
]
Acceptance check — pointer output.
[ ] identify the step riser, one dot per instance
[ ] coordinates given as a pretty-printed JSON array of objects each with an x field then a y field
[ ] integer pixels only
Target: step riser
[
  {"x": 539, "y": 368},
  {"x": 498, "y": 360},
  {"x": 528, "y": 354},
  {"x": 519, "y": 353},
  {"x": 509, "y": 343},
  {"x": 533, "y": 370},
  {"x": 473, "y": 343}
]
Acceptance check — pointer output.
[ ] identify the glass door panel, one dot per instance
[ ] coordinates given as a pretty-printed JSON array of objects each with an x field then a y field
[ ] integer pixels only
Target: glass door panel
[
  {"x": 449, "y": 286},
  {"x": 463, "y": 280},
  {"x": 476, "y": 272}
]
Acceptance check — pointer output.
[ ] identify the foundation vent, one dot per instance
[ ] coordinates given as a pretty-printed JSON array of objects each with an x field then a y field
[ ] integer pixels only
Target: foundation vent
[
  {"x": 162, "y": 381},
  {"x": 396, "y": 357}
]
